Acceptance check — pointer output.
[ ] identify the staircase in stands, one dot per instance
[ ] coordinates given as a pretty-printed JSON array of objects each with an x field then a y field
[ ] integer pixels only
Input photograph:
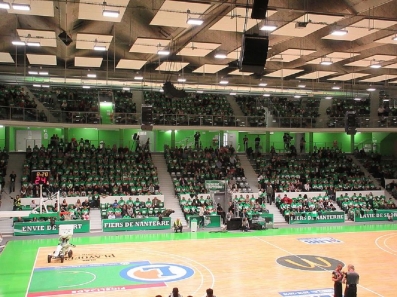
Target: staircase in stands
[{"x": 167, "y": 188}]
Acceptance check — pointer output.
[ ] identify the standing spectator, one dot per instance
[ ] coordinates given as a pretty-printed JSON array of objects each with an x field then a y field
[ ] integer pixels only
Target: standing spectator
[
  {"x": 197, "y": 140},
  {"x": 201, "y": 215},
  {"x": 245, "y": 225},
  {"x": 302, "y": 144},
  {"x": 257, "y": 143},
  {"x": 13, "y": 177},
  {"x": 245, "y": 141},
  {"x": 269, "y": 193}
]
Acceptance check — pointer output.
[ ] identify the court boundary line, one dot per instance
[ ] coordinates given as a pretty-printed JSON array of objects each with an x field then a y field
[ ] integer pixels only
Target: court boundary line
[
  {"x": 81, "y": 283},
  {"x": 284, "y": 250},
  {"x": 31, "y": 272},
  {"x": 385, "y": 243},
  {"x": 383, "y": 249}
]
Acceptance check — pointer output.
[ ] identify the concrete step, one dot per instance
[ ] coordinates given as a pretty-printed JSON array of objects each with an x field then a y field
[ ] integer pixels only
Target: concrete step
[{"x": 95, "y": 220}]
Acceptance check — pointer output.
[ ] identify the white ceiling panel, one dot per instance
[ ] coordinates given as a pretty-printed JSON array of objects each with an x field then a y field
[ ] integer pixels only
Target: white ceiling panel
[
  {"x": 41, "y": 8},
  {"x": 130, "y": 64},
  {"x": 316, "y": 74},
  {"x": 393, "y": 82},
  {"x": 317, "y": 22},
  {"x": 42, "y": 59},
  {"x": 174, "y": 13},
  {"x": 235, "y": 55},
  {"x": 367, "y": 61},
  {"x": 349, "y": 76},
  {"x": 6, "y": 58},
  {"x": 284, "y": 72},
  {"x": 362, "y": 28},
  {"x": 290, "y": 55},
  {"x": 45, "y": 38},
  {"x": 379, "y": 78},
  {"x": 172, "y": 66},
  {"x": 235, "y": 19},
  {"x": 198, "y": 49},
  {"x": 237, "y": 72},
  {"x": 87, "y": 62},
  {"x": 210, "y": 68},
  {"x": 388, "y": 40},
  {"x": 148, "y": 45},
  {"x": 392, "y": 66},
  {"x": 335, "y": 56},
  {"x": 88, "y": 41},
  {"x": 92, "y": 10}
]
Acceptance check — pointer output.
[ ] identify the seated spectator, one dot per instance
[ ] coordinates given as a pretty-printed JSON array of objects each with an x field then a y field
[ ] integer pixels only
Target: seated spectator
[
  {"x": 111, "y": 216},
  {"x": 64, "y": 205},
  {"x": 85, "y": 213},
  {"x": 33, "y": 204},
  {"x": 78, "y": 204},
  {"x": 178, "y": 226}
]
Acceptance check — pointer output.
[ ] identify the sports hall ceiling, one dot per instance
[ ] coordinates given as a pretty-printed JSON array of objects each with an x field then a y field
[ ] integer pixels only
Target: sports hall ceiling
[{"x": 143, "y": 27}]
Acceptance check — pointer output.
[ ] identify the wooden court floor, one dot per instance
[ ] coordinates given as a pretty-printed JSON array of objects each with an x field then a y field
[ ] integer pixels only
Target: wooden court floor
[{"x": 297, "y": 262}]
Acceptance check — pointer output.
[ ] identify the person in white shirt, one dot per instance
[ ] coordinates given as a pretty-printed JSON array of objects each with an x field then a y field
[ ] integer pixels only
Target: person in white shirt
[
  {"x": 201, "y": 215},
  {"x": 111, "y": 216}
]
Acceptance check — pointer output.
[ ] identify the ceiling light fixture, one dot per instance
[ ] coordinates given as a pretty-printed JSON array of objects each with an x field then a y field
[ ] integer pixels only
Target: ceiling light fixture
[
  {"x": 394, "y": 38},
  {"x": 262, "y": 84},
  {"x": 126, "y": 89},
  {"x": 297, "y": 96},
  {"x": 268, "y": 28},
  {"x": 33, "y": 72},
  {"x": 199, "y": 91},
  {"x": 357, "y": 99},
  {"x": 4, "y": 5},
  {"x": 30, "y": 43},
  {"x": 100, "y": 48},
  {"x": 110, "y": 13},
  {"x": 335, "y": 87},
  {"x": 138, "y": 77},
  {"x": 328, "y": 97},
  {"x": 371, "y": 89},
  {"x": 43, "y": 72},
  {"x": 37, "y": 86},
  {"x": 220, "y": 56},
  {"x": 301, "y": 86},
  {"x": 45, "y": 86},
  {"x": 193, "y": 21},
  {"x": 233, "y": 94},
  {"x": 20, "y": 6},
  {"x": 181, "y": 79},
  {"x": 326, "y": 61},
  {"x": 86, "y": 87},
  {"x": 224, "y": 82},
  {"x": 339, "y": 32},
  {"x": 91, "y": 75},
  {"x": 18, "y": 42},
  {"x": 375, "y": 64},
  {"x": 266, "y": 95}
]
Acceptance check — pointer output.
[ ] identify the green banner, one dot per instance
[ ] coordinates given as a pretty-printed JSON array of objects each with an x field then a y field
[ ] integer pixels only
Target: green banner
[
  {"x": 378, "y": 215},
  {"x": 213, "y": 221},
  {"x": 311, "y": 218},
  {"x": 43, "y": 228},
  {"x": 151, "y": 223},
  {"x": 215, "y": 185}
]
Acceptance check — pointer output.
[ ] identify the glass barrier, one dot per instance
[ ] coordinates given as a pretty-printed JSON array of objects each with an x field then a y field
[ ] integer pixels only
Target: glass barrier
[{"x": 94, "y": 117}]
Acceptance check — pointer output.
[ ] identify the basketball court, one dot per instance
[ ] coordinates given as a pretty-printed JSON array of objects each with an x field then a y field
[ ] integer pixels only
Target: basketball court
[{"x": 277, "y": 262}]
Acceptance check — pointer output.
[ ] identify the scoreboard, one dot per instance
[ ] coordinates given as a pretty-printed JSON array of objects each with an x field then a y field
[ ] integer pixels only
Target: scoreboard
[{"x": 39, "y": 177}]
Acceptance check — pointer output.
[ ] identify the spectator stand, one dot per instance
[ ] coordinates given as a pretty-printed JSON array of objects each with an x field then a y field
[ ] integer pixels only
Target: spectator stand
[{"x": 308, "y": 208}]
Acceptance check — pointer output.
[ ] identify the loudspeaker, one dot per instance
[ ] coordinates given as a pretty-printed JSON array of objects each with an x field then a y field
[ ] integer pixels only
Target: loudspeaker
[
  {"x": 147, "y": 114},
  {"x": 254, "y": 53},
  {"x": 172, "y": 92},
  {"x": 66, "y": 39},
  {"x": 259, "y": 9}
]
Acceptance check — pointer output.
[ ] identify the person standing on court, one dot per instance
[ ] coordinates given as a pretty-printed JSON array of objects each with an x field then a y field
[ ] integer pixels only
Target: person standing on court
[
  {"x": 351, "y": 279},
  {"x": 175, "y": 293},
  {"x": 337, "y": 277},
  {"x": 13, "y": 177}
]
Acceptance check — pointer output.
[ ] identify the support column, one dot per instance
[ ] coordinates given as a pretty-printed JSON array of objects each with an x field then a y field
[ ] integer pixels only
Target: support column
[
  {"x": 351, "y": 143},
  {"x": 267, "y": 142},
  {"x": 7, "y": 138},
  {"x": 173, "y": 139},
  {"x": 221, "y": 134},
  {"x": 66, "y": 135}
]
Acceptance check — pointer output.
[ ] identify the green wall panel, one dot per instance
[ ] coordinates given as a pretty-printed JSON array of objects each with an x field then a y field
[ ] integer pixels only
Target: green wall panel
[{"x": 327, "y": 139}]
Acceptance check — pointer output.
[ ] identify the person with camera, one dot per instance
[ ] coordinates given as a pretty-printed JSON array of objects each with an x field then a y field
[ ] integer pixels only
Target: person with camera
[
  {"x": 351, "y": 278},
  {"x": 337, "y": 277}
]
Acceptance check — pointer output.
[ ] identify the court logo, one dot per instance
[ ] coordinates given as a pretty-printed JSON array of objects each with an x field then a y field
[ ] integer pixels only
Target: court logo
[
  {"x": 158, "y": 272},
  {"x": 320, "y": 240},
  {"x": 309, "y": 262},
  {"x": 309, "y": 293}
]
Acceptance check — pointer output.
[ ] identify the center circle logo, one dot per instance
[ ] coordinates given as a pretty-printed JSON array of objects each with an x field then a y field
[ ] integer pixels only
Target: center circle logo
[
  {"x": 309, "y": 262},
  {"x": 160, "y": 272}
]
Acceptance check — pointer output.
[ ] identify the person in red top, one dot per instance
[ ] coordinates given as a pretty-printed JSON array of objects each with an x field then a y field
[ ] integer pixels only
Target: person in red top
[{"x": 286, "y": 200}]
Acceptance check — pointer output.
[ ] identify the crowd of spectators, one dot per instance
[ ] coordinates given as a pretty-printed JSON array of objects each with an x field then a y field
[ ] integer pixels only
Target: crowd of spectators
[
  {"x": 254, "y": 108},
  {"x": 194, "y": 110},
  {"x": 80, "y": 169},
  {"x": 324, "y": 169}
]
